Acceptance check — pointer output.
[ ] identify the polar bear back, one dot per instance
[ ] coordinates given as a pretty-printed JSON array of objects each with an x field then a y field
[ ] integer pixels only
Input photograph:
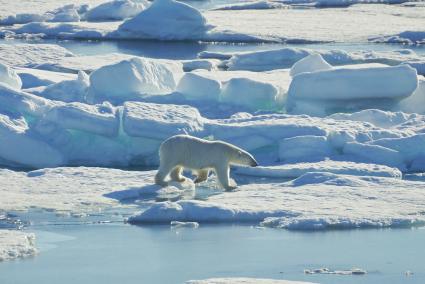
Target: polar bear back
[{"x": 195, "y": 153}]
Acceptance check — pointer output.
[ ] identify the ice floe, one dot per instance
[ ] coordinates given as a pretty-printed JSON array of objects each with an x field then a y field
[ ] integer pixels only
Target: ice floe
[
  {"x": 236, "y": 280},
  {"x": 313, "y": 201},
  {"x": 16, "y": 244},
  {"x": 115, "y": 10},
  {"x": 405, "y": 37},
  {"x": 166, "y": 20},
  {"x": 9, "y": 77}
]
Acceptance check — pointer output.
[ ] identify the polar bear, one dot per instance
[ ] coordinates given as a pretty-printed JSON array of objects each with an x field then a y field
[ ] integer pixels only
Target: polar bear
[{"x": 200, "y": 156}]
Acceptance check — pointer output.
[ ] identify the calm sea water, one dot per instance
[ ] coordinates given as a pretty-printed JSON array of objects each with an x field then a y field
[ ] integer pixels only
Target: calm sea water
[{"x": 121, "y": 253}]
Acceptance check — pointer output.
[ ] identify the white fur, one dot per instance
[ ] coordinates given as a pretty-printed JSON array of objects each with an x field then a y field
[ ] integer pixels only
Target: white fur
[{"x": 201, "y": 156}]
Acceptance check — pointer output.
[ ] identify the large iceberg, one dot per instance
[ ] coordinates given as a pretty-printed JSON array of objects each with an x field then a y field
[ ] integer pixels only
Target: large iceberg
[{"x": 166, "y": 20}]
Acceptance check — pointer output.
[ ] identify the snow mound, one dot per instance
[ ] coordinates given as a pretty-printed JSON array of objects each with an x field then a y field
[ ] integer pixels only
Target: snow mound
[
  {"x": 32, "y": 78},
  {"x": 166, "y": 20},
  {"x": 320, "y": 92},
  {"x": 249, "y": 93},
  {"x": 16, "y": 244},
  {"x": 68, "y": 90},
  {"x": 307, "y": 147},
  {"x": 116, "y": 10},
  {"x": 311, "y": 63},
  {"x": 375, "y": 154},
  {"x": 10, "y": 77},
  {"x": 133, "y": 79},
  {"x": 328, "y": 166},
  {"x": 236, "y": 280},
  {"x": 195, "y": 86},
  {"x": 160, "y": 121}
]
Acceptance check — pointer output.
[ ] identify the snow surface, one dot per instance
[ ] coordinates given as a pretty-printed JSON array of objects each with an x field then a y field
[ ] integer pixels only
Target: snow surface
[
  {"x": 312, "y": 201},
  {"x": 16, "y": 244}
]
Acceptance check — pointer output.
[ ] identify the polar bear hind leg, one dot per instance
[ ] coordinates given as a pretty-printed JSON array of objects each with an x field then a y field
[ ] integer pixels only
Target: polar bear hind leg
[
  {"x": 202, "y": 175},
  {"x": 175, "y": 174},
  {"x": 162, "y": 173}
]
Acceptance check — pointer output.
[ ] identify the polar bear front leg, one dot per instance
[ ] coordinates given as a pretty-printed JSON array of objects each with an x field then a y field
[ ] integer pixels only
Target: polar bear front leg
[
  {"x": 223, "y": 177},
  {"x": 202, "y": 175},
  {"x": 175, "y": 174}
]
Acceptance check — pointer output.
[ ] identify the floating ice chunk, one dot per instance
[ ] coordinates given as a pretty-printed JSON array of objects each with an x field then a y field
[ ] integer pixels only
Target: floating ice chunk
[
  {"x": 251, "y": 94},
  {"x": 196, "y": 86},
  {"x": 69, "y": 90},
  {"x": 333, "y": 89},
  {"x": 160, "y": 121},
  {"x": 10, "y": 77},
  {"x": 311, "y": 63},
  {"x": 375, "y": 154},
  {"x": 406, "y": 37},
  {"x": 243, "y": 280},
  {"x": 334, "y": 222},
  {"x": 18, "y": 147},
  {"x": 353, "y": 271},
  {"x": 328, "y": 166},
  {"x": 258, "y": 5},
  {"x": 97, "y": 119},
  {"x": 177, "y": 224},
  {"x": 16, "y": 244},
  {"x": 166, "y": 20},
  {"x": 116, "y": 10},
  {"x": 304, "y": 148},
  {"x": 134, "y": 79},
  {"x": 262, "y": 60},
  {"x": 24, "y": 18}
]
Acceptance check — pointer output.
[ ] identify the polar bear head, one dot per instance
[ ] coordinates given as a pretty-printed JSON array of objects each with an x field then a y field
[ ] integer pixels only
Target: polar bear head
[{"x": 240, "y": 157}]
